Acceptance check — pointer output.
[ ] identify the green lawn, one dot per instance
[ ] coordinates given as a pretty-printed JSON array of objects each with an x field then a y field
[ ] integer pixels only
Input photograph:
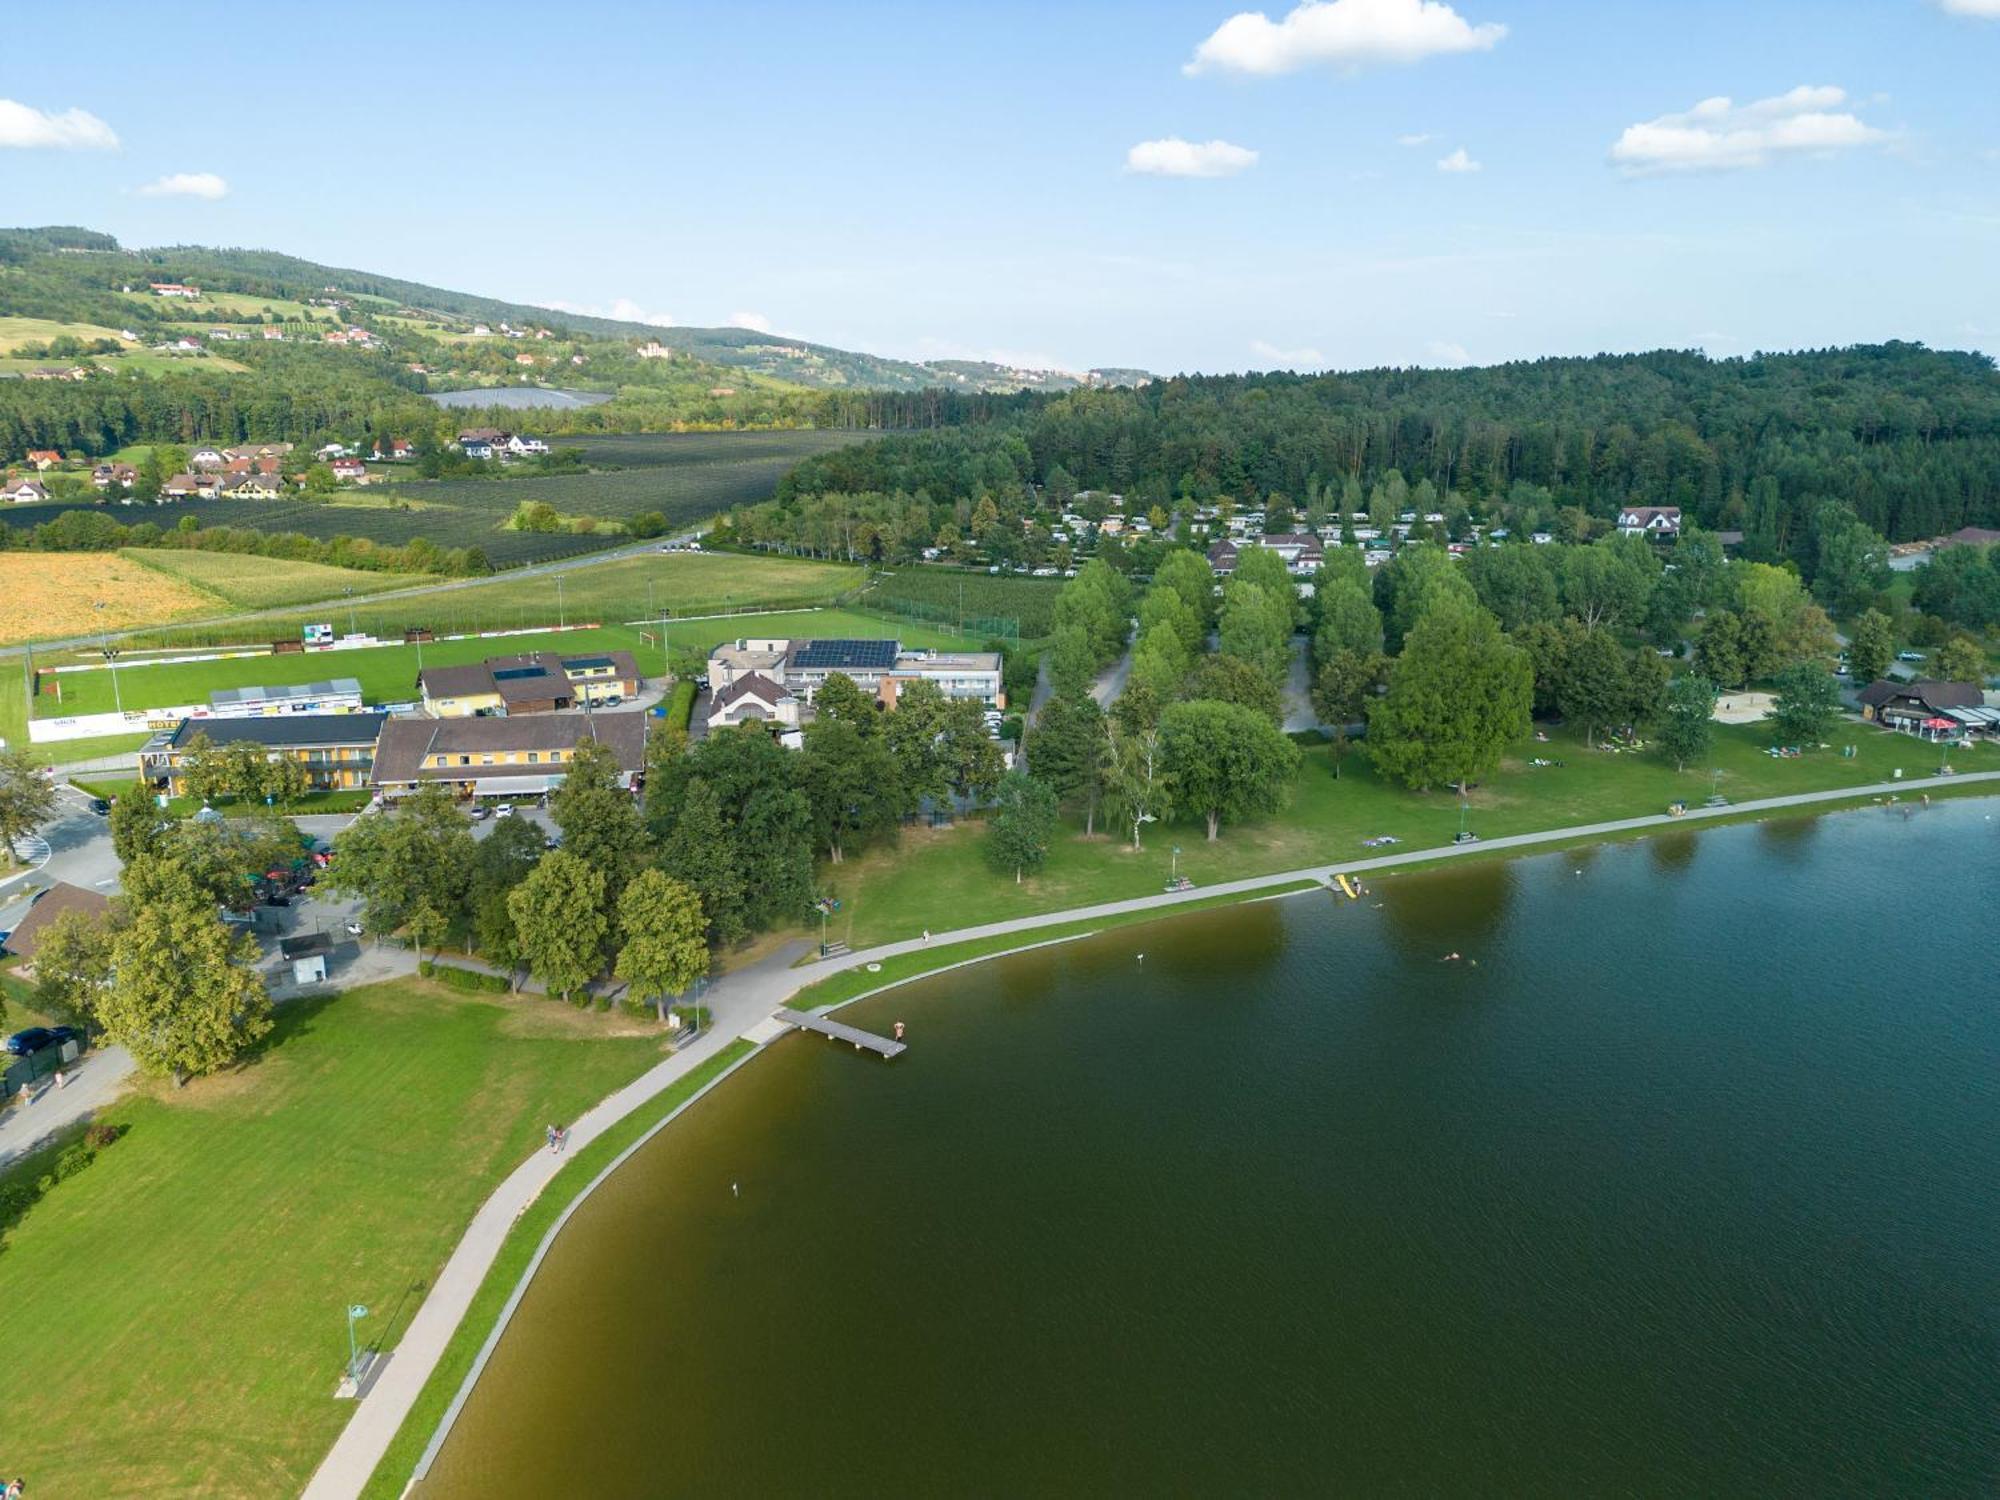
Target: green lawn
[
  {"x": 939, "y": 879},
  {"x": 190, "y": 1284},
  {"x": 387, "y": 674},
  {"x": 243, "y": 581}
]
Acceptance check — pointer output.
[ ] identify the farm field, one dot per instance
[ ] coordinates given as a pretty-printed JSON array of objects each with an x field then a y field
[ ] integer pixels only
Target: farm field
[
  {"x": 211, "y": 305},
  {"x": 976, "y": 599},
  {"x": 15, "y": 332},
  {"x": 686, "y": 477},
  {"x": 613, "y": 592},
  {"x": 203, "y": 1260},
  {"x": 47, "y": 595},
  {"x": 387, "y": 674},
  {"x": 244, "y": 581}
]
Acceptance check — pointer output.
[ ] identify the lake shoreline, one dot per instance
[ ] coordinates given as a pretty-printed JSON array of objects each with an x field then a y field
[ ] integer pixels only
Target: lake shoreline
[{"x": 1254, "y": 890}]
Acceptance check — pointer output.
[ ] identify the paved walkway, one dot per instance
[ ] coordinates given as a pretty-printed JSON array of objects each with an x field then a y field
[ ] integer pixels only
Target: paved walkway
[
  {"x": 42, "y": 1109},
  {"x": 742, "y": 1001}
]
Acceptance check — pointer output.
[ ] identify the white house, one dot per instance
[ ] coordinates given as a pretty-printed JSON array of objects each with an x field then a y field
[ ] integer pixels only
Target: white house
[
  {"x": 524, "y": 446},
  {"x": 1660, "y": 523},
  {"x": 24, "y": 491},
  {"x": 754, "y": 698}
]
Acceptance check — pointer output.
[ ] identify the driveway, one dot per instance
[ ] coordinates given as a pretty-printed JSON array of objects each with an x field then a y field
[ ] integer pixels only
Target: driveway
[{"x": 1299, "y": 713}]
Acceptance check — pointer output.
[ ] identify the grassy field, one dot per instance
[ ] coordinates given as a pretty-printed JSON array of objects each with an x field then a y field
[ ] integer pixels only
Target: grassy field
[
  {"x": 243, "y": 581},
  {"x": 387, "y": 674},
  {"x": 194, "y": 1277},
  {"x": 938, "y": 879},
  {"x": 51, "y": 594},
  {"x": 393, "y": 1473},
  {"x": 15, "y": 332},
  {"x": 952, "y": 595}
]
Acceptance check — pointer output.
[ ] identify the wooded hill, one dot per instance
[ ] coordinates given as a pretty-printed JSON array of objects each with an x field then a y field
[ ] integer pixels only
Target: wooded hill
[{"x": 1908, "y": 437}]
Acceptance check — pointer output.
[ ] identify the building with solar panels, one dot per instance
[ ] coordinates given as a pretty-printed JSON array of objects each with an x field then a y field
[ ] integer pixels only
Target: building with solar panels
[{"x": 881, "y": 667}]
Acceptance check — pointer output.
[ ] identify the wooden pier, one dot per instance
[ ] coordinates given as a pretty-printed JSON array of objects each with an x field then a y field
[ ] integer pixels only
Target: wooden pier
[{"x": 826, "y": 1026}]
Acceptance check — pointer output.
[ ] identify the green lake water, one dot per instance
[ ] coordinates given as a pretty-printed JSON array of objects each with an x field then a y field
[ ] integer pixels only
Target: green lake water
[{"x": 1684, "y": 1180}]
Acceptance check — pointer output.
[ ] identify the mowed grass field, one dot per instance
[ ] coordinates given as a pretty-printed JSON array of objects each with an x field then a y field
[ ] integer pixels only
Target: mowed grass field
[
  {"x": 245, "y": 581},
  {"x": 387, "y": 674},
  {"x": 49, "y": 595},
  {"x": 182, "y": 1300},
  {"x": 620, "y": 590},
  {"x": 939, "y": 880}
]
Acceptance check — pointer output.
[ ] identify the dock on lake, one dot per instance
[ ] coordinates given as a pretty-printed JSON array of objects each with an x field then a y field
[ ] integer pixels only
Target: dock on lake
[{"x": 826, "y": 1026}]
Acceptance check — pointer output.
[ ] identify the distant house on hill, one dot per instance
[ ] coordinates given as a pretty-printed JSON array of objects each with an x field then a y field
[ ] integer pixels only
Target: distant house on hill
[
  {"x": 22, "y": 491},
  {"x": 174, "y": 289},
  {"x": 1660, "y": 523},
  {"x": 526, "y": 445},
  {"x": 349, "y": 468},
  {"x": 654, "y": 349},
  {"x": 44, "y": 458},
  {"x": 206, "y": 458},
  {"x": 180, "y": 487},
  {"x": 257, "y": 486}
]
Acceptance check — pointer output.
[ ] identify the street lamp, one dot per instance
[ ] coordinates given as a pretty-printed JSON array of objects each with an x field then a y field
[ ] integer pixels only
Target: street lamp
[
  {"x": 354, "y": 1311},
  {"x": 1177, "y": 862},
  {"x": 110, "y": 656},
  {"x": 349, "y": 591},
  {"x": 561, "y": 618}
]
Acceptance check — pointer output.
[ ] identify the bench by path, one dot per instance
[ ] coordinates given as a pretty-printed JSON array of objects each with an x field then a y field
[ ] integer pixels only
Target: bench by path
[{"x": 744, "y": 1002}]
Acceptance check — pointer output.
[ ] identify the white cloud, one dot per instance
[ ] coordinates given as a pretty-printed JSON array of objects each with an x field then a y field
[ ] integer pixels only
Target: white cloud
[
  {"x": 1443, "y": 353},
  {"x": 1459, "y": 161},
  {"x": 1985, "y": 10},
  {"x": 186, "y": 185},
  {"x": 1297, "y": 359},
  {"x": 1174, "y": 157},
  {"x": 624, "y": 309},
  {"x": 24, "y": 126},
  {"x": 1346, "y": 34},
  {"x": 1720, "y": 135},
  {"x": 1415, "y": 140},
  {"x": 755, "y": 322}
]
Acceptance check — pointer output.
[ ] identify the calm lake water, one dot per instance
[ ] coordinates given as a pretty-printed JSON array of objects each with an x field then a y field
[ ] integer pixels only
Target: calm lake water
[
  {"x": 519, "y": 397},
  {"x": 1689, "y": 1186}
]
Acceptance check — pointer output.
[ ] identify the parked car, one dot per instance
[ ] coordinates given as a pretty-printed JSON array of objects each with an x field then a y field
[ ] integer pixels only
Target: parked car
[
  {"x": 504, "y": 810},
  {"x": 1909, "y": 656},
  {"x": 99, "y": 806},
  {"x": 21, "y": 1043},
  {"x": 480, "y": 813}
]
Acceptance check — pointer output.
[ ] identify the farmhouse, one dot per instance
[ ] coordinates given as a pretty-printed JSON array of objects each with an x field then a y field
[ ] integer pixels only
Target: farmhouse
[
  {"x": 185, "y": 486},
  {"x": 23, "y": 491},
  {"x": 654, "y": 349},
  {"x": 104, "y": 476},
  {"x": 174, "y": 289},
  {"x": 337, "y": 750},
  {"x": 524, "y": 446},
  {"x": 879, "y": 666},
  {"x": 349, "y": 468},
  {"x": 44, "y": 459},
  {"x": 540, "y": 682},
  {"x": 252, "y": 487},
  {"x": 501, "y": 756},
  {"x": 207, "y": 458},
  {"x": 255, "y": 451},
  {"x": 1660, "y": 523},
  {"x": 26, "y": 938}
]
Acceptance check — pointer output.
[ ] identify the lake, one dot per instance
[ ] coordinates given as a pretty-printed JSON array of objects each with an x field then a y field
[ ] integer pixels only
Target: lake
[
  {"x": 1679, "y": 1180},
  {"x": 519, "y": 398}
]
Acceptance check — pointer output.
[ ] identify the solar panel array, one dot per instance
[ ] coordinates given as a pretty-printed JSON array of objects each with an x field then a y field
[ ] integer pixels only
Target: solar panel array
[{"x": 846, "y": 656}]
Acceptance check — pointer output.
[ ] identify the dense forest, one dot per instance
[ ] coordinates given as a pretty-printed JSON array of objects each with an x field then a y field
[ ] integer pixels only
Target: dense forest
[{"x": 1908, "y": 437}]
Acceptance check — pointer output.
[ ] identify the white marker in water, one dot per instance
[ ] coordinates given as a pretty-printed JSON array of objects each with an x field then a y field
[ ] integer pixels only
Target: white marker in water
[{"x": 735, "y": 1191}]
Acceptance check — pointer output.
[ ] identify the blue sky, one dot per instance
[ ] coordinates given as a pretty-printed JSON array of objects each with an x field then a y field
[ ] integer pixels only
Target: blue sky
[{"x": 957, "y": 180}]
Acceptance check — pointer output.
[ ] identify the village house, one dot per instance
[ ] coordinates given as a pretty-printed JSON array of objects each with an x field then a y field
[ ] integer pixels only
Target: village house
[
  {"x": 654, "y": 349},
  {"x": 272, "y": 333},
  {"x": 1660, "y": 523},
  {"x": 349, "y": 468},
  {"x": 258, "y": 450},
  {"x": 1927, "y": 706},
  {"x": 174, "y": 289},
  {"x": 753, "y": 698},
  {"x": 254, "y": 486},
  {"x": 1301, "y": 551},
  {"x": 540, "y": 682},
  {"x": 104, "y": 476},
  {"x": 44, "y": 459},
  {"x": 206, "y": 458},
  {"x": 337, "y": 750},
  {"x": 26, "y": 938},
  {"x": 486, "y": 757},
  {"x": 24, "y": 490},
  {"x": 187, "y": 343},
  {"x": 525, "y": 446},
  {"x": 479, "y": 442},
  {"x": 184, "y": 487}
]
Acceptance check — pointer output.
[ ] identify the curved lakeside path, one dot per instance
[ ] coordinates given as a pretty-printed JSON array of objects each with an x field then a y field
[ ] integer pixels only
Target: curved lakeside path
[{"x": 743, "y": 1001}]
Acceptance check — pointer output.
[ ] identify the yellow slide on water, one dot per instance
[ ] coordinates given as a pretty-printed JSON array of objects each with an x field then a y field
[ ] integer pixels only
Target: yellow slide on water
[{"x": 1347, "y": 886}]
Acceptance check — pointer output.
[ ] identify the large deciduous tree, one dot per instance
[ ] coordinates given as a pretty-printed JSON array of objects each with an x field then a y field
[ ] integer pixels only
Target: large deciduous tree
[
  {"x": 599, "y": 817},
  {"x": 1458, "y": 696},
  {"x": 1805, "y": 704},
  {"x": 1687, "y": 724},
  {"x": 1871, "y": 646},
  {"x": 851, "y": 780},
  {"x": 665, "y": 949},
  {"x": 561, "y": 922},
  {"x": 27, "y": 797},
  {"x": 1225, "y": 760},
  {"x": 420, "y": 853},
  {"x": 1022, "y": 824},
  {"x": 1070, "y": 750}
]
